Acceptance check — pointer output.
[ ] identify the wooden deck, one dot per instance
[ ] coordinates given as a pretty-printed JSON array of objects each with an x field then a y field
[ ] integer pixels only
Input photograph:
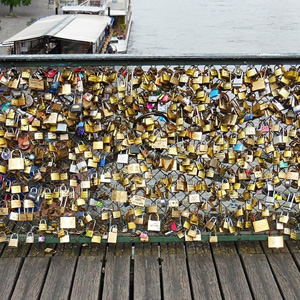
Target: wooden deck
[{"x": 245, "y": 270}]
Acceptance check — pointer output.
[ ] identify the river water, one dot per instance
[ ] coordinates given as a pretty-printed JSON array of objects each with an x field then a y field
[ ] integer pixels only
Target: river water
[{"x": 195, "y": 27}]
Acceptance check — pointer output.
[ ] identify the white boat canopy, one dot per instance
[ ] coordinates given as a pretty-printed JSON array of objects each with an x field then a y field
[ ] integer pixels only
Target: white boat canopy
[
  {"x": 116, "y": 12},
  {"x": 83, "y": 9},
  {"x": 85, "y": 28}
]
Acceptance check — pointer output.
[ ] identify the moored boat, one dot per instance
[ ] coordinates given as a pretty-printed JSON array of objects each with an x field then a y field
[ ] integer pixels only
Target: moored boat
[{"x": 120, "y": 11}]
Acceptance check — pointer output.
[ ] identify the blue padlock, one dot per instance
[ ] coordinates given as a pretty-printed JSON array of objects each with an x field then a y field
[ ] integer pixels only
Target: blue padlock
[
  {"x": 249, "y": 117},
  {"x": 283, "y": 164},
  {"x": 80, "y": 130},
  {"x": 5, "y": 154},
  {"x": 239, "y": 147},
  {"x": 214, "y": 93},
  {"x": 33, "y": 170},
  {"x": 54, "y": 87},
  {"x": 6, "y": 106},
  {"x": 79, "y": 214},
  {"x": 102, "y": 162}
]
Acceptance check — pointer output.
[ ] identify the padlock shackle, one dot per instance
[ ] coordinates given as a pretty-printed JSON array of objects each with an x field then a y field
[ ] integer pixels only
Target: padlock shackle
[{"x": 160, "y": 114}]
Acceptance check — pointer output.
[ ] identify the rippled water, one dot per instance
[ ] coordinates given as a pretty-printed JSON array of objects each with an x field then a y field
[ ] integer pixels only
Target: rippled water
[{"x": 195, "y": 27}]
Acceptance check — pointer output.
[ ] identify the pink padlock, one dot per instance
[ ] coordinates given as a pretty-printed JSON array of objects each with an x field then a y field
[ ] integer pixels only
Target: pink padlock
[
  {"x": 265, "y": 129},
  {"x": 165, "y": 99},
  {"x": 173, "y": 226},
  {"x": 150, "y": 105},
  {"x": 143, "y": 235}
]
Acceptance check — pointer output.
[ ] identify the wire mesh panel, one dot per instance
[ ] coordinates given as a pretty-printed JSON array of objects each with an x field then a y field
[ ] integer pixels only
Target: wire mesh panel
[{"x": 176, "y": 150}]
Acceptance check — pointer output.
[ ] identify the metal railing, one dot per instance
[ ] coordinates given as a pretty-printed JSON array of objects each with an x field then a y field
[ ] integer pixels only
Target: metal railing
[
  {"x": 142, "y": 60},
  {"x": 218, "y": 61}
]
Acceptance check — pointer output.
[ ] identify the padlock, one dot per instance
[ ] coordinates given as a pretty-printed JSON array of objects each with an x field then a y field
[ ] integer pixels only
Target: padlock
[
  {"x": 112, "y": 235},
  {"x": 43, "y": 225},
  {"x": 16, "y": 163},
  {"x": 144, "y": 237},
  {"x": 30, "y": 238},
  {"x": 65, "y": 238},
  {"x": 192, "y": 232},
  {"x": 14, "y": 241},
  {"x": 261, "y": 225},
  {"x": 154, "y": 225},
  {"x": 33, "y": 194},
  {"x": 96, "y": 239},
  {"x": 275, "y": 242}
]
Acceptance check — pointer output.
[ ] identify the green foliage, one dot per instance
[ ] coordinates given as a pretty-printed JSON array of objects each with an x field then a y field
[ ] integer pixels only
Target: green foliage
[
  {"x": 32, "y": 20},
  {"x": 14, "y": 3},
  {"x": 122, "y": 27}
]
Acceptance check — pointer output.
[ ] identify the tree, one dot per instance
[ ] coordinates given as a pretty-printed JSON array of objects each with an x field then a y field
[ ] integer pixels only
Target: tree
[{"x": 14, "y": 3}]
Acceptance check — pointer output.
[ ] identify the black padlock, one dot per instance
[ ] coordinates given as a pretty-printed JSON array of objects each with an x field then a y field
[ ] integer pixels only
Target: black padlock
[
  {"x": 134, "y": 149},
  {"x": 33, "y": 194}
]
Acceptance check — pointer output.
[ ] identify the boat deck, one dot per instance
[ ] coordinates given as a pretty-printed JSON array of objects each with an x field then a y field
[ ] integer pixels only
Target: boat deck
[{"x": 244, "y": 270}]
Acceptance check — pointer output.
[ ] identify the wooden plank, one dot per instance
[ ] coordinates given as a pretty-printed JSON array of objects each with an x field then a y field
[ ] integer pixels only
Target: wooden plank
[
  {"x": 285, "y": 270},
  {"x": 154, "y": 249},
  {"x": 180, "y": 248},
  {"x": 163, "y": 249},
  {"x": 87, "y": 278},
  {"x": 287, "y": 274},
  {"x": 117, "y": 274},
  {"x": 70, "y": 249},
  {"x": 172, "y": 249},
  {"x": 249, "y": 248},
  {"x": 59, "y": 279},
  {"x": 139, "y": 249},
  {"x": 204, "y": 280},
  {"x": 175, "y": 278},
  {"x": 146, "y": 275},
  {"x": 294, "y": 247},
  {"x": 31, "y": 279},
  {"x": 127, "y": 249},
  {"x": 9, "y": 272},
  {"x": 38, "y": 250},
  {"x": 261, "y": 279},
  {"x": 93, "y": 250},
  {"x": 190, "y": 247},
  {"x": 231, "y": 274},
  {"x": 21, "y": 251},
  {"x": 274, "y": 250},
  {"x": 2, "y": 246}
]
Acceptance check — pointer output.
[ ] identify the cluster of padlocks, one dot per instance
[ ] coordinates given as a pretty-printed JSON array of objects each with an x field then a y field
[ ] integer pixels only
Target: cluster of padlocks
[{"x": 109, "y": 151}]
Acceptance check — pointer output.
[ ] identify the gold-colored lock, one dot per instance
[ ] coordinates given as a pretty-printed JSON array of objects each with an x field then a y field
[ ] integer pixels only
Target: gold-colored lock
[
  {"x": 261, "y": 225},
  {"x": 275, "y": 242}
]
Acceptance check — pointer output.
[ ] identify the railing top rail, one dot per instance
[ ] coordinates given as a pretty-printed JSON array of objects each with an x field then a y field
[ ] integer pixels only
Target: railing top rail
[{"x": 126, "y": 59}]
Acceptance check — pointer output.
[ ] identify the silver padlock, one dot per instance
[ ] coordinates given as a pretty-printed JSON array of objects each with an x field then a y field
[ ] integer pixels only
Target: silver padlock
[{"x": 238, "y": 80}]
